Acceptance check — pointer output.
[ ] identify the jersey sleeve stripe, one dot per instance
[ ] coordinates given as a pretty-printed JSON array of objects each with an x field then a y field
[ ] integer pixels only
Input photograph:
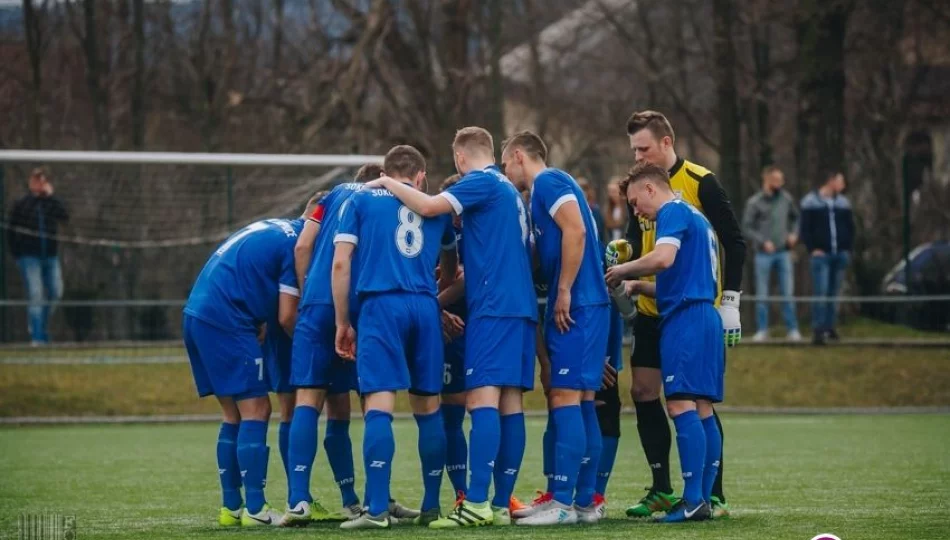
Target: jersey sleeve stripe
[
  {"x": 668, "y": 240},
  {"x": 456, "y": 205},
  {"x": 287, "y": 289},
  {"x": 561, "y": 202},
  {"x": 348, "y": 238}
]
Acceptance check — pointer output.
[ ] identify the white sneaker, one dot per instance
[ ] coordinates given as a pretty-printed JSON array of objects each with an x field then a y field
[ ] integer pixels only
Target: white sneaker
[
  {"x": 542, "y": 501},
  {"x": 266, "y": 517},
  {"x": 554, "y": 514},
  {"x": 587, "y": 514},
  {"x": 760, "y": 336},
  {"x": 794, "y": 335},
  {"x": 298, "y": 516},
  {"x": 352, "y": 511}
]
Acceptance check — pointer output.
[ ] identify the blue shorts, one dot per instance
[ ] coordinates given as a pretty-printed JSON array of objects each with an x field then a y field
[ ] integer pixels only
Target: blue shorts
[
  {"x": 453, "y": 376},
  {"x": 615, "y": 339},
  {"x": 224, "y": 363},
  {"x": 314, "y": 363},
  {"x": 399, "y": 344},
  {"x": 277, "y": 352},
  {"x": 578, "y": 355},
  {"x": 693, "y": 353},
  {"x": 499, "y": 351}
]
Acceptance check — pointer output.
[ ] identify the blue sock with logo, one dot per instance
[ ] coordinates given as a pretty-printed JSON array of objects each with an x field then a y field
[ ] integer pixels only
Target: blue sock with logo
[
  {"x": 510, "y": 455},
  {"x": 252, "y": 453},
  {"x": 379, "y": 447},
  {"x": 606, "y": 465},
  {"x": 301, "y": 452},
  {"x": 570, "y": 444},
  {"x": 587, "y": 477},
  {"x": 339, "y": 450},
  {"x": 456, "y": 449},
  {"x": 691, "y": 442},
  {"x": 228, "y": 469},
  {"x": 432, "y": 456},
  {"x": 547, "y": 451},
  {"x": 484, "y": 441},
  {"x": 713, "y": 455}
]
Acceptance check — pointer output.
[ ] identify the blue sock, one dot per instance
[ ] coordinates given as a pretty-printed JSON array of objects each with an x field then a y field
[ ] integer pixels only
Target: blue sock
[
  {"x": 432, "y": 456},
  {"x": 484, "y": 441},
  {"x": 547, "y": 451},
  {"x": 570, "y": 444},
  {"x": 339, "y": 450},
  {"x": 607, "y": 457},
  {"x": 378, "y": 450},
  {"x": 510, "y": 455},
  {"x": 283, "y": 443},
  {"x": 713, "y": 455},
  {"x": 691, "y": 442},
  {"x": 228, "y": 469},
  {"x": 587, "y": 477},
  {"x": 252, "y": 452},
  {"x": 456, "y": 449},
  {"x": 302, "y": 451}
]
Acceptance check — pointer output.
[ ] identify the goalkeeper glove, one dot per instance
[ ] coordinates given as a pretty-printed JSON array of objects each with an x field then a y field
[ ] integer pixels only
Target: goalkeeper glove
[{"x": 729, "y": 311}]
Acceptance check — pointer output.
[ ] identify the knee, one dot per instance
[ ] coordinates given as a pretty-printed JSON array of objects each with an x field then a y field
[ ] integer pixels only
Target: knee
[
  {"x": 644, "y": 390},
  {"x": 310, "y": 397},
  {"x": 338, "y": 407},
  {"x": 258, "y": 408},
  {"x": 676, "y": 408}
]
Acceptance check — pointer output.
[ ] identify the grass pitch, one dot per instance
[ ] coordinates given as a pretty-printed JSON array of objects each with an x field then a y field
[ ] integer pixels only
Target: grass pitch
[{"x": 787, "y": 477}]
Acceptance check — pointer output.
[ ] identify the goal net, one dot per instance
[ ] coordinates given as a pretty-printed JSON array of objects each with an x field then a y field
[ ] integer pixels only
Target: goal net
[{"x": 140, "y": 226}]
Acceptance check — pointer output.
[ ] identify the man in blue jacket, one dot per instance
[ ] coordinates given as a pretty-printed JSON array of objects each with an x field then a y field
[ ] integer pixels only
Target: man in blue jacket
[{"x": 827, "y": 230}]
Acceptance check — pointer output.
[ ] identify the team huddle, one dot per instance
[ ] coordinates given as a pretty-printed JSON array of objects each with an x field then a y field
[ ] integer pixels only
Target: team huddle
[{"x": 380, "y": 288}]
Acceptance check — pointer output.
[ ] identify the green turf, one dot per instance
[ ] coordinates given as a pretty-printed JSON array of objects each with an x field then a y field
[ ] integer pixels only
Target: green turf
[{"x": 787, "y": 477}]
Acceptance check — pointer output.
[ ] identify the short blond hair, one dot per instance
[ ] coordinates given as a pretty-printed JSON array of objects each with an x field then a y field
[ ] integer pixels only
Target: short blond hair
[
  {"x": 529, "y": 142},
  {"x": 474, "y": 139}
]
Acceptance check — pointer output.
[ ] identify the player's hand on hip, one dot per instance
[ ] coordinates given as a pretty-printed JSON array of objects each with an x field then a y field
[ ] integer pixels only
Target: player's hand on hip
[
  {"x": 346, "y": 342},
  {"x": 616, "y": 274},
  {"x": 562, "y": 311},
  {"x": 610, "y": 376},
  {"x": 729, "y": 311}
]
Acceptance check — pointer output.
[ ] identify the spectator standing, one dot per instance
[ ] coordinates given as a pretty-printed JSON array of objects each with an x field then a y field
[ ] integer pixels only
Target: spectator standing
[
  {"x": 827, "y": 230},
  {"x": 34, "y": 221},
  {"x": 770, "y": 222},
  {"x": 591, "y": 195},
  {"x": 616, "y": 217}
]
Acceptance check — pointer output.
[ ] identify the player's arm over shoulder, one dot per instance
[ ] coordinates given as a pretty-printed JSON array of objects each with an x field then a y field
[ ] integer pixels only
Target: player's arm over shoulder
[{"x": 721, "y": 216}]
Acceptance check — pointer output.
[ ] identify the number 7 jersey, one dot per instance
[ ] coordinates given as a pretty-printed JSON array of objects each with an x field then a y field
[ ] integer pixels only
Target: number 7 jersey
[
  {"x": 396, "y": 249},
  {"x": 694, "y": 274}
]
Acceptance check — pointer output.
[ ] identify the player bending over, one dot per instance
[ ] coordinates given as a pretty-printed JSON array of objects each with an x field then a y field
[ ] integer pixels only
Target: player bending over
[
  {"x": 399, "y": 343},
  {"x": 499, "y": 332},
  {"x": 575, "y": 327},
  {"x": 248, "y": 281},
  {"x": 685, "y": 261}
]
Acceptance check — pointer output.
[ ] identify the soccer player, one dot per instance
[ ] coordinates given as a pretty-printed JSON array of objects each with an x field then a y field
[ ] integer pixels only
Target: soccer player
[
  {"x": 452, "y": 301},
  {"x": 575, "y": 327},
  {"x": 502, "y": 312},
  {"x": 399, "y": 344},
  {"x": 652, "y": 138},
  {"x": 317, "y": 373},
  {"x": 685, "y": 261},
  {"x": 248, "y": 281}
]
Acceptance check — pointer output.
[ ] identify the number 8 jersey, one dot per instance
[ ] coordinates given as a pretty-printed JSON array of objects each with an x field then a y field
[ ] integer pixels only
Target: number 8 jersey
[
  {"x": 694, "y": 273},
  {"x": 397, "y": 249}
]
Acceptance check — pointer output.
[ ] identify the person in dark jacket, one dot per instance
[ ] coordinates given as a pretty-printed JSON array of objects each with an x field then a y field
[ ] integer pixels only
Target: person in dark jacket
[
  {"x": 827, "y": 230},
  {"x": 33, "y": 224}
]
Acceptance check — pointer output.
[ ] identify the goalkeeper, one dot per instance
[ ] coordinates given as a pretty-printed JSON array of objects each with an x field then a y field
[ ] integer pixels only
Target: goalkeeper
[{"x": 651, "y": 139}]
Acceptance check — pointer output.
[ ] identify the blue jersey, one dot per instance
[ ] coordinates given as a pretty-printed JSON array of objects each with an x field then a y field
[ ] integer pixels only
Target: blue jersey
[
  {"x": 692, "y": 278},
  {"x": 239, "y": 285},
  {"x": 552, "y": 189},
  {"x": 327, "y": 214},
  {"x": 401, "y": 247},
  {"x": 497, "y": 261}
]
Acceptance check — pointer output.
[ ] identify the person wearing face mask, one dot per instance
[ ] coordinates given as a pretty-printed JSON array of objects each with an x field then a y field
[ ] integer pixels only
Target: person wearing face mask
[{"x": 770, "y": 222}]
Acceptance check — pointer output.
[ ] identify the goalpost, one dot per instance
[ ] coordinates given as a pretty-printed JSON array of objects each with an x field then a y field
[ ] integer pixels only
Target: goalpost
[{"x": 141, "y": 225}]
